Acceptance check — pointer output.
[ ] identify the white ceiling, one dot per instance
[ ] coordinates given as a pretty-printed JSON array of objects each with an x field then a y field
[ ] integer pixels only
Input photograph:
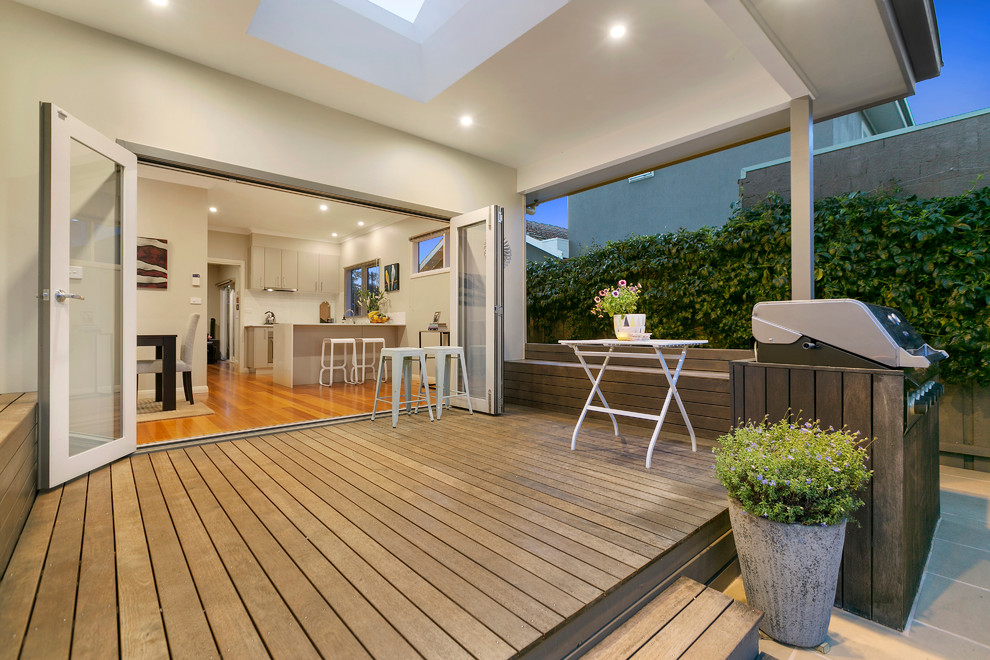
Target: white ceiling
[
  {"x": 563, "y": 103},
  {"x": 247, "y": 208}
]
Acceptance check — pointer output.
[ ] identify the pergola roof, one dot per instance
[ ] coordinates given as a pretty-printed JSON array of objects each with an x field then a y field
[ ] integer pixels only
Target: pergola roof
[{"x": 560, "y": 102}]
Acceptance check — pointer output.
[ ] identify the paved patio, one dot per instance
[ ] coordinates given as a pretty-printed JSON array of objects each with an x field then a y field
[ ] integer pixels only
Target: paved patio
[{"x": 951, "y": 617}]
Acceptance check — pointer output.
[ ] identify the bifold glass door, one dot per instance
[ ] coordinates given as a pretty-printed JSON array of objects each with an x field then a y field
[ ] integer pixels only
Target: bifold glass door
[
  {"x": 87, "y": 385},
  {"x": 476, "y": 303}
]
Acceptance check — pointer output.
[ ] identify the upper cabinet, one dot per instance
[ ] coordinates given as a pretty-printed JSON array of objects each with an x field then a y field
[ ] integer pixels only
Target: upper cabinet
[
  {"x": 306, "y": 272},
  {"x": 329, "y": 273}
]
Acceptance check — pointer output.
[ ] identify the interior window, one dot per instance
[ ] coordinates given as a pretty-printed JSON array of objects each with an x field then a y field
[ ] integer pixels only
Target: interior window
[
  {"x": 360, "y": 277},
  {"x": 430, "y": 251}
]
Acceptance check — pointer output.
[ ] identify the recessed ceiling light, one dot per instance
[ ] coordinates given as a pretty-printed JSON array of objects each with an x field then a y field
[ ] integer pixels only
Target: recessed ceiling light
[
  {"x": 160, "y": 3},
  {"x": 360, "y": 223},
  {"x": 213, "y": 209},
  {"x": 323, "y": 207},
  {"x": 617, "y": 31},
  {"x": 466, "y": 120},
  {"x": 334, "y": 234}
]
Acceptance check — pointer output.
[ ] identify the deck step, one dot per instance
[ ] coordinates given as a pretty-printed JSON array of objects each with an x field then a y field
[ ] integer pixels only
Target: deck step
[{"x": 687, "y": 620}]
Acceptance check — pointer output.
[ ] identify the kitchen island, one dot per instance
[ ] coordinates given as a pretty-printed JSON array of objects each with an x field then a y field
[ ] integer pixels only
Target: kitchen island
[{"x": 298, "y": 347}]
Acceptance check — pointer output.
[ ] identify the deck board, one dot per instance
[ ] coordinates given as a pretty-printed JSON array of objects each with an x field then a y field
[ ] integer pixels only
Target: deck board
[{"x": 471, "y": 536}]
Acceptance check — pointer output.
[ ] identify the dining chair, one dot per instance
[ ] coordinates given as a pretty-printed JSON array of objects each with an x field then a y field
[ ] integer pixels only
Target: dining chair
[{"x": 183, "y": 363}]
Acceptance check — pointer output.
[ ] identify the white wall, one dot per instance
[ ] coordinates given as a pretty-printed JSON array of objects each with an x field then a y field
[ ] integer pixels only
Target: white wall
[
  {"x": 177, "y": 214},
  {"x": 418, "y": 297},
  {"x": 134, "y": 93}
]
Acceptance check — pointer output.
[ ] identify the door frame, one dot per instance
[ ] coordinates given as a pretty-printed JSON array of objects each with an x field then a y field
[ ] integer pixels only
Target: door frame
[{"x": 238, "y": 293}]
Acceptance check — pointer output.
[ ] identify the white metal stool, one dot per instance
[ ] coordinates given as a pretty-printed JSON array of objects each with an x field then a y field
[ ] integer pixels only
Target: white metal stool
[
  {"x": 402, "y": 361},
  {"x": 446, "y": 375},
  {"x": 332, "y": 366},
  {"x": 376, "y": 344}
]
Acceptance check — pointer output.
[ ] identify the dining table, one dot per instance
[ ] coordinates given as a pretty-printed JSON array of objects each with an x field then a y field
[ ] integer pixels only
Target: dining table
[
  {"x": 164, "y": 380},
  {"x": 618, "y": 348}
]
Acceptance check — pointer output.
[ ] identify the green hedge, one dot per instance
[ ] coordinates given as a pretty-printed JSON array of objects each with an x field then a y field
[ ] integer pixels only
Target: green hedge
[{"x": 927, "y": 258}]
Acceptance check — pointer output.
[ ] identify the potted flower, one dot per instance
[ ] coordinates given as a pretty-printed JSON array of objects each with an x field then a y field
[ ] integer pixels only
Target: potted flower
[
  {"x": 375, "y": 302},
  {"x": 620, "y": 304},
  {"x": 791, "y": 488}
]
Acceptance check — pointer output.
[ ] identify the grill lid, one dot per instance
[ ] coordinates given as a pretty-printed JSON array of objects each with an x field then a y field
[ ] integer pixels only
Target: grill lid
[{"x": 877, "y": 333}]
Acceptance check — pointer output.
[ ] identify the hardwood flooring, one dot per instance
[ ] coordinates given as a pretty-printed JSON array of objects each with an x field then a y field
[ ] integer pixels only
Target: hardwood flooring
[
  {"x": 471, "y": 536},
  {"x": 242, "y": 401}
]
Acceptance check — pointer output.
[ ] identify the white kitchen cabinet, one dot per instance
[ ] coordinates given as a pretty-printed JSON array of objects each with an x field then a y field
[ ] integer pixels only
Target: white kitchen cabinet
[
  {"x": 281, "y": 268},
  {"x": 260, "y": 347},
  {"x": 257, "y": 268},
  {"x": 309, "y": 272},
  {"x": 329, "y": 267}
]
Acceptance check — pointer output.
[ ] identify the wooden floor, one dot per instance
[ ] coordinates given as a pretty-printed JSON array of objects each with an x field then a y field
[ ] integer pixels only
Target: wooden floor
[
  {"x": 469, "y": 536},
  {"x": 242, "y": 401}
]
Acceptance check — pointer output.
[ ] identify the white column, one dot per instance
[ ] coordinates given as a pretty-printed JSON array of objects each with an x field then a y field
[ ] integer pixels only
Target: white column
[{"x": 802, "y": 201}]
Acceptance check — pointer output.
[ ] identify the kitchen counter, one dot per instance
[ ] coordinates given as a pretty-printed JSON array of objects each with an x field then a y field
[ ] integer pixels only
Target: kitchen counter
[{"x": 298, "y": 347}]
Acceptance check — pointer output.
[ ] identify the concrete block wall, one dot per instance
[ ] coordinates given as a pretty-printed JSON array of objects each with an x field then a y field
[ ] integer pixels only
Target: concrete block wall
[{"x": 938, "y": 159}]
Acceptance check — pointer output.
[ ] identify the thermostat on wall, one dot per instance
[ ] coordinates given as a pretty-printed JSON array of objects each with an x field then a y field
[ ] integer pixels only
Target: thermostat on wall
[{"x": 195, "y": 279}]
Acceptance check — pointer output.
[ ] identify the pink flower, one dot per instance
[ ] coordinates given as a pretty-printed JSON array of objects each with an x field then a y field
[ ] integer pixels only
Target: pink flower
[
  {"x": 615, "y": 294},
  {"x": 597, "y": 299},
  {"x": 622, "y": 282},
  {"x": 602, "y": 292}
]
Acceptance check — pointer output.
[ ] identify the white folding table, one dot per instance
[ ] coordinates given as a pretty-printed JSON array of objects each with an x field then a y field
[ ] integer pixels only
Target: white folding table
[{"x": 606, "y": 348}]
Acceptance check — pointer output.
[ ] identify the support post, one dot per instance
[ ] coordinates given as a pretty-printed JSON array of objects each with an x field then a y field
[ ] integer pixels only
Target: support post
[{"x": 802, "y": 200}]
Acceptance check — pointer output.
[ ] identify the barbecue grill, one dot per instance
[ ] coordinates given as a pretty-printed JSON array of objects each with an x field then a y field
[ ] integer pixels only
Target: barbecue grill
[
  {"x": 850, "y": 333},
  {"x": 848, "y": 363}
]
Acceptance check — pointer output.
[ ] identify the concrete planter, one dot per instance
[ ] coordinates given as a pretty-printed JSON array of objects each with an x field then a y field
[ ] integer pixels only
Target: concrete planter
[{"x": 790, "y": 573}]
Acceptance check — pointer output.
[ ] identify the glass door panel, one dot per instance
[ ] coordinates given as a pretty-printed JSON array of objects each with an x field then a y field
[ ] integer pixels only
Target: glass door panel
[
  {"x": 471, "y": 304},
  {"x": 95, "y": 341}
]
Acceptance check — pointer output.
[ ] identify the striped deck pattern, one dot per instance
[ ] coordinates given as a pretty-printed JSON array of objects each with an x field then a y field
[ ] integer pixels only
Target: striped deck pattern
[{"x": 470, "y": 536}]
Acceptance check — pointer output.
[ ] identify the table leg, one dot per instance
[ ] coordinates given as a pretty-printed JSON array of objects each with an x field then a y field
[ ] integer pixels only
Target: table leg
[
  {"x": 168, "y": 374},
  {"x": 671, "y": 394},
  {"x": 594, "y": 389},
  {"x": 424, "y": 385}
]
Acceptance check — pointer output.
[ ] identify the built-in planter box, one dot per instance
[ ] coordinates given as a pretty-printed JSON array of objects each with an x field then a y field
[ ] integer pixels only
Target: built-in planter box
[
  {"x": 18, "y": 467},
  {"x": 888, "y": 542}
]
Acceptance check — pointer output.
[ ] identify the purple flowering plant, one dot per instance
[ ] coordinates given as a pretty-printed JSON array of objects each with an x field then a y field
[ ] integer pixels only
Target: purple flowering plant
[
  {"x": 620, "y": 300},
  {"x": 794, "y": 473}
]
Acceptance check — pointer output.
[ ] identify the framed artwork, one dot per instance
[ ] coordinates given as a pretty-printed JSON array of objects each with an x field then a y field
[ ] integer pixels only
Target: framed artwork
[
  {"x": 436, "y": 317},
  {"x": 152, "y": 263},
  {"x": 392, "y": 277}
]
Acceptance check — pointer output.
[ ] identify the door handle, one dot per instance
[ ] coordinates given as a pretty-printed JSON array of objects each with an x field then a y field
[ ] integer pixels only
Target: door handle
[{"x": 62, "y": 296}]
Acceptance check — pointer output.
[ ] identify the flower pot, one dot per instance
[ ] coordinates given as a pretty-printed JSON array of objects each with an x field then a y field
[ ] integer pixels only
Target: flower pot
[
  {"x": 627, "y": 324},
  {"x": 789, "y": 572}
]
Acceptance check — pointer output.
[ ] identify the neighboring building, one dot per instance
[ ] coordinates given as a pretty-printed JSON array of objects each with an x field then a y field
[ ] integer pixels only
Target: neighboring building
[
  {"x": 703, "y": 191},
  {"x": 545, "y": 241},
  {"x": 946, "y": 157}
]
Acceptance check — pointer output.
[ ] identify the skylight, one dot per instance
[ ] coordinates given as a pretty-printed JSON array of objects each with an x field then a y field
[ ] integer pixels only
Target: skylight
[{"x": 407, "y": 10}]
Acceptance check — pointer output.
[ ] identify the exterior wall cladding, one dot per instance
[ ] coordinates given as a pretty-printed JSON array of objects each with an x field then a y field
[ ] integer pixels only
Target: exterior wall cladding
[{"x": 941, "y": 159}]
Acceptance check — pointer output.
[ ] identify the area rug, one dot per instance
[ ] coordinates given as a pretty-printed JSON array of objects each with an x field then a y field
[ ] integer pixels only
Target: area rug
[{"x": 149, "y": 410}]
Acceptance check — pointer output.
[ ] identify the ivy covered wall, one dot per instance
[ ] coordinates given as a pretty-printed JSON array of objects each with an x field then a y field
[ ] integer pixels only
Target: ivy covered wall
[{"x": 928, "y": 258}]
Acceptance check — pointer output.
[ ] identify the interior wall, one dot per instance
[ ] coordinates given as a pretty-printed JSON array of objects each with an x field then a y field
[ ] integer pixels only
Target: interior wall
[
  {"x": 134, "y": 93},
  {"x": 420, "y": 297},
  {"x": 177, "y": 214}
]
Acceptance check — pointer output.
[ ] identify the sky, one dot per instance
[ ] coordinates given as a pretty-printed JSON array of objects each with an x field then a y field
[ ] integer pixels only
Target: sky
[{"x": 963, "y": 85}]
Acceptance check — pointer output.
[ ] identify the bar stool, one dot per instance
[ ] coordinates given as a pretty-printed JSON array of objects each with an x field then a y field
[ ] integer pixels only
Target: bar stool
[
  {"x": 332, "y": 366},
  {"x": 444, "y": 393},
  {"x": 402, "y": 361},
  {"x": 377, "y": 344}
]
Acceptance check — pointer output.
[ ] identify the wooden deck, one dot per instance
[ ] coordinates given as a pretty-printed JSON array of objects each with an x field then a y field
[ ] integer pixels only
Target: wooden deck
[{"x": 471, "y": 536}]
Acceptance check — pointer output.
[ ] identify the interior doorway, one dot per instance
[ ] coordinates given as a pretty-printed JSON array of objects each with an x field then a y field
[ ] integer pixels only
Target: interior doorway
[{"x": 225, "y": 278}]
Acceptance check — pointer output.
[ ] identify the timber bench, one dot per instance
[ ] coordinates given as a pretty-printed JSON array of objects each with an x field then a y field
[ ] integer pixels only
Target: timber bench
[
  {"x": 687, "y": 620},
  {"x": 18, "y": 467}
]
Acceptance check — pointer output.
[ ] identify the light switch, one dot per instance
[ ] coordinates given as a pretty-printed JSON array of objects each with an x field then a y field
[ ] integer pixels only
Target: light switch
[
  {"x": 75, "y": 272},
  {"x": 195, "y": 301}
]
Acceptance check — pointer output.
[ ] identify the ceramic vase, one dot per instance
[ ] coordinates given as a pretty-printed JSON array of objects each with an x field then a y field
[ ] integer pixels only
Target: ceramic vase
[{"x": 628, "y": 324}]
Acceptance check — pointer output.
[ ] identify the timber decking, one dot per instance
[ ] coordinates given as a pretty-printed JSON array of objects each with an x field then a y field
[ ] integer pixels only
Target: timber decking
[{"x": 470, "y": 536}]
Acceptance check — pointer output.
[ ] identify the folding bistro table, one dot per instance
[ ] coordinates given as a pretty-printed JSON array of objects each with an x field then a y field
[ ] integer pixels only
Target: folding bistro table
[{"x": 605, "y": 348}]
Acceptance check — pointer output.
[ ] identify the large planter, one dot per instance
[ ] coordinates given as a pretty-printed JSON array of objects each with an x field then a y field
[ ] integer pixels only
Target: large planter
[
  {"x": 789, "y": 572},
  {"x": 628, "y": 324}
]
